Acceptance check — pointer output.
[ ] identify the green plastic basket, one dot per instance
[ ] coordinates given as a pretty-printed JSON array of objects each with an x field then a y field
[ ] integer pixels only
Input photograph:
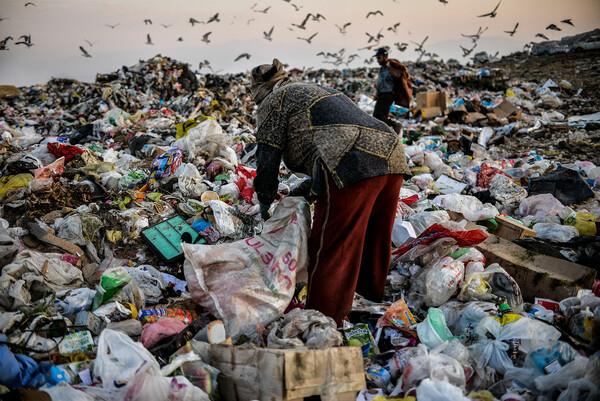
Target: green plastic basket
[{"x": 165, "y": 238}]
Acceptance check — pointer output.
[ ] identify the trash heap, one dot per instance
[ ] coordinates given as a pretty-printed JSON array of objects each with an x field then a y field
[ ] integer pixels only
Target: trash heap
[{"x": 134, "y": 263}]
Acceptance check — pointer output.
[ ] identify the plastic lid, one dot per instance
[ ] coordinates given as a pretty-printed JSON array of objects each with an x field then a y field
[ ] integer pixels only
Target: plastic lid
[{"x": 504, "y": 307}]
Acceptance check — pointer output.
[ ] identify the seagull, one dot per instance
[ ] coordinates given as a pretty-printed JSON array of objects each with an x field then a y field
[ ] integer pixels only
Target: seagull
[
  {"x": 374, "y": 13},
  {"x": 3, "y": 18},
  {"x": 85, "y": 53},
  {"x": 476, "y": 36},
  {"x": 310, "y": 38},
  {"x": 394, "y": 28},
  {"x": 541, "y": 35},
  {"x": 567, "y": 21},
  {"x": 511, "y": 33},
  {"x": 493, "y": 13},
  {"x": 112, "y": 26},
  {"x": 148, "y": 40},
  {"x": 195, "y": 21},
  {"x": 368, "y": 61},
  {"x": 214, "y": 18},
  {"x": 4, "y": 41},
  {"x": 262, "y": 11},
  {"x": 147, "y": 21},
  {"x": 241, "y": 56},
  {"x": 166, "y": 26},
  {"x": 466, "y": 52},
  {"x": 419, "y": 47},
  {"x": 90, "y": 43},
  {"x": 296, "y": 7},
  {"x": 303, "y": 24},
  {"x": 401, "y": 46},
  {"x": 30, "y": 4},
  {"x": 249, "y": 21},
  {"x": 318, "y": 17},
  {"x": 268, "y": 35},
  {"x": 180, "y": 39},
  {"x": 374, "y": 38},
  {"x": 444, "y": 2},
  {"x": 553, "y": 27},
  {"x": 28, "y": 44},
  {"x": 26, "y": 38},
  {"x": 342, "y": 29},
  {"x": 205, "y": 37}
]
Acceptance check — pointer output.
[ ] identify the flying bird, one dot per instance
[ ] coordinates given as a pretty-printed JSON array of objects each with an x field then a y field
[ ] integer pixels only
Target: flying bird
[
  {"x": 249, "y": 21},
  {"x": 310, "y": 38},
  {"x": 241, "y": 56},
  {"x": 466, "y": 52},
  {"x": 567, "y": 21},
  {"x": 262, "y": 11},
  {"x": 303, "y": 24},
  {"x": 3, "y": 18},
  {"x": 342, "y": 28},
  {"x": 206, "y": 64},
  {"x": 268, "y": 35},
  {"x": 493, "y": 13},
  {"x": 541, "y": 35},
  {"x": 394, "y": 28},
  {"x": 374, "y": 13},
  {"x": 296, "y": 7},
  {"x": 476, "y": 36},
  {"x": 205, "y": 37},
  {"x": 4, "y": 41},
  {"x": 26, "y": 38},
  {"x": 166, "y": 26},
  {"x": 214, "y": 18},
  {"x": 147, "y": 21},
  {"x": 90, "y": 43},
  {"x": 113, "y": 26},
  {"x": 148, "y": 40},
  {"x": 511, "y": 33},
  {"x": 419, "y": 47},
  {"x": 374, "y": 38},
  {"x": 85, "y": 53},
  {"x": 29, "y": 3},
  {"x": 318, "y": 17},
  {"x": 22, "y": 42},
  {"x": 195, "y": 21},
  {"x": 401, "y": 46},
  {"x": 553, "y": 27},
  {"x": 180, "y": 39},
  {"x": 444, "y": 2}
]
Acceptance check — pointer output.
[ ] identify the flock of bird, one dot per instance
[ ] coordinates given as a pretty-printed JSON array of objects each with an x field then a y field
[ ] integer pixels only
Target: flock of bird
[{"x": 373, "y": 40}]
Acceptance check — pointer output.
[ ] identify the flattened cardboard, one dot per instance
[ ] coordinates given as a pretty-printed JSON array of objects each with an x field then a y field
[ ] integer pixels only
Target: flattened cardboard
[{"x": 505, "y": 109}]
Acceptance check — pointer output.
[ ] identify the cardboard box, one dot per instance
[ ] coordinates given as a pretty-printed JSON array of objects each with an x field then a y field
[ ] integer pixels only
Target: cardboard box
[
  {"x": 505, "y": 109},
  {"x": 288, "y": 374},
  {"x": 510, "y": 230},
  {"x": 538, "y": 275},
  {"x": 431, "y": 104}
]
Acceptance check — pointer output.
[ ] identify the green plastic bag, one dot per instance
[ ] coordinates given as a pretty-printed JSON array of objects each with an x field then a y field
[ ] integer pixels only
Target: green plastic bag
[
  {"x": 433, "y": 330},
  {"x": 112, "y": 281}
]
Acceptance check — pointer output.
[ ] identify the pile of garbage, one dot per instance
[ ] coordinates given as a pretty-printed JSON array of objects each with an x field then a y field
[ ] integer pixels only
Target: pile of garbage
[{"x": 134, "y": 263}]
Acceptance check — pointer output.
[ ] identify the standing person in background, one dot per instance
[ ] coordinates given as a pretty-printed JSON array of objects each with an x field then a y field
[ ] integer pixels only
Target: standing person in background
[
  {"x": 393, "y": 85},
  {"x": 356, "y": 164}
]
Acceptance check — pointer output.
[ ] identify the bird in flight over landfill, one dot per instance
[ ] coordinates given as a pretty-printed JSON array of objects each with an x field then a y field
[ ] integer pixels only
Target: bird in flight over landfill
[
  {"x": 374, "y": 38},
  {"x": 394, "y": 28},
  {"x": 511, "y": 33},
  {"x": 147, "y": 21},
  {"x": 85, "y": 53},
  {"x": 541, "y": 35},
  {"x": 112, "y": 26},
  {"x": 303, "y": 24},
  {"x": 466, "y": 52},
  {"x": 318, "y": 17},
  {"x": 401, "y": 46},
  {"x": 567, "y": 21},
  {"x": 268, "y": 35},
  {"x": 3, "y": 18},
  {"x": 195, "y": 21},
  {"x": 553, "y": 27},
  {"x": 262, "y": 11},
  {"x": 148, "y": 40},
  {"x": 476, "y": 36},
  {"x": 342, "y": 28},
  {"x": 241, "y": 56},
  {"x": 374, "y": 13},
  {"x": 205, "y": 37},
  {"x": 296, "y": 7},
  {"x": 29, "y": 3},
  {"x": 214, "y": 18},
  {"x": 24, "y": 42},
  {"x": 166, "y": 26},
  {"x": 493, "y": 13},
  {"x": 4, "y": 41},
  {"x": 310, "y": 38},
  {"x": 419, "y": 47},
  {"x": 90, "y": 43},
  {"x": 444, "y": 2}
]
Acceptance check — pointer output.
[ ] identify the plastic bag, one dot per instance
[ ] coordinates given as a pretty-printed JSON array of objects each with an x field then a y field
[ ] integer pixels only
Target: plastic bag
[
  {"x": 118, "y": 358},
  {"x": 14, "y": 182},
  {"x": 423, "y": 220},
  {"x": 304, "y": 328},
  {"x": 397, "y": 315},
  {"x": 432, "y": 365},
  {"x": 149, "y": 384},
  {"x": 462, "y": 318},
  {"x": 556, "y": 232},
  {"x": 468, "y": 205},
  {"x": 439, "y": 391},
  {"x": 189, "y": 364},
  {"x": 111, "y": 282},
  {"x": 433, "y": 330},
  {"x": 252, "y": 280},
  {"x": 506, "y": 192},
  {"x": 441, "y": 280},
  {"x": 52, "y": 170},
  {"x": 585, "y": 223},
  {"x": 190, "y": 182},
  {"x": 580, "y": 390},
  {"x": 152, "y": 333}
]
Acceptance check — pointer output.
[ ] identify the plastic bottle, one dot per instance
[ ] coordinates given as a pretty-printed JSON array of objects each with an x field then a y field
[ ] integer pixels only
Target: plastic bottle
[{"x": 547, "y": 361}]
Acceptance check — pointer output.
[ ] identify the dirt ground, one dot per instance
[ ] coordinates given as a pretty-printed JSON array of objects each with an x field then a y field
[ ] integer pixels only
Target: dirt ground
[{"x": 581, "y": 70}]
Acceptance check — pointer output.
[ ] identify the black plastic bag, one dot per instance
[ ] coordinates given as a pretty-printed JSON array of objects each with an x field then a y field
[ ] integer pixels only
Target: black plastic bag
[{"x": 564, "y": 183}]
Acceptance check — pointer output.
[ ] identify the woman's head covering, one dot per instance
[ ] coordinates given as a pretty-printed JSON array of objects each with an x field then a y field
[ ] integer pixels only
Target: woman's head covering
[{"x": 264, "y": 79}]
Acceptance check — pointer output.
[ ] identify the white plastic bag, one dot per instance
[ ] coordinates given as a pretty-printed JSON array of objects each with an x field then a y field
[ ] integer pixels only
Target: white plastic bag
[
  {"x": 556, "y": 232},
  {"x": 423, "y": 220},
  {"x": 430, "y": 390},
  {"x": 433, "y": 331},
  {"x": 119, "y": 357},
  {"x": 468, "y": 205},
  {"x": 432, "y": 365},
  {"x": 252, "y": 280},
  {"x": 442, "y": 279},
  {"x": 542, "y": 205},
  {"x": 580, "y": 390}
]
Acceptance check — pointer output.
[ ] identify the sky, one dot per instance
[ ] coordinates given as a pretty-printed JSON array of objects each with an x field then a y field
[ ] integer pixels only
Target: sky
[{"x": 59, "y": 27}]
